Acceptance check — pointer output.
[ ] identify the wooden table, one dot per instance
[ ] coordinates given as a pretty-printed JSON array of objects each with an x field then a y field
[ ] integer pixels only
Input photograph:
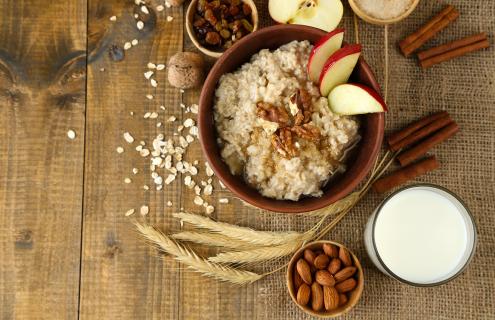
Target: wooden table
[{"x": 67, "y": 250}]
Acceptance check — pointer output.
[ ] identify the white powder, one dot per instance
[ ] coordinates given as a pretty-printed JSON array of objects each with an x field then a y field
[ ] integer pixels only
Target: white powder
[{"x": 384, "y": 9}]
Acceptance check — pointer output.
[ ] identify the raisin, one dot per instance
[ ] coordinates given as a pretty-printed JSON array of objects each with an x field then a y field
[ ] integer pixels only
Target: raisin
[
  {"x": 210, "y": 17},
  {"x": 234, "y": 10},
  {"x": 246, "y": 9},
  {"x": 213, "y": 38}
]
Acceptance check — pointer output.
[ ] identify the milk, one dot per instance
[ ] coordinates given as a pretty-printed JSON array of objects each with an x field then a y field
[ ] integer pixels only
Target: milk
[{"x": 422, "y": 235}]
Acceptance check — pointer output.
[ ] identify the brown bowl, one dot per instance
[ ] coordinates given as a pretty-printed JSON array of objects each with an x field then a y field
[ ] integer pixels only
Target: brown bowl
[
  {"x": 372, "y": 125},
  {"x": 191, "y": 10},
  {"x": 354, "y": 297}
]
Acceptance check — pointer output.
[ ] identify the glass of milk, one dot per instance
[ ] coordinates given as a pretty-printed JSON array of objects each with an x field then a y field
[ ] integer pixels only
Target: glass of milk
[{"x": 422, "y": 235}]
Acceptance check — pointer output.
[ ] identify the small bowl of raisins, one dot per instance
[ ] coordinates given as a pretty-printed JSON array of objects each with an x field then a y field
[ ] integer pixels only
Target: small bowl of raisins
[{"x": 215, "y": 25}]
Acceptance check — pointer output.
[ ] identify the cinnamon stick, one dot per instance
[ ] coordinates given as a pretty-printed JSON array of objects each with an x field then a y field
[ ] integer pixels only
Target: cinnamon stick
[
  {"x": 412, "y": 37},
  {"x": 417, "y": 151},
  {"x": 451, "y": 46},
  {"x": 422, "y": 133},
  {"x": 402, "y": 134},
  {"x": 454, "y": 53},
  {"x": 405, "y": 174},
  {"x": 430, "y": 32}
]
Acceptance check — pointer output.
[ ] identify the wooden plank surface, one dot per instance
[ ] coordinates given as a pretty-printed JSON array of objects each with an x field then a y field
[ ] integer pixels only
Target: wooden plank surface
[
  {"x": 42, "y": 96},
  {"x": 121, "y": 276}
]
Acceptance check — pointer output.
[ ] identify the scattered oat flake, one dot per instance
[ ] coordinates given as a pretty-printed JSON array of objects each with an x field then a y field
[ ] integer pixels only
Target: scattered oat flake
[
  {"x": 162, "y": 107},
  {"x": 172, "y": 119},
  {"x": 209, "y": 171},
  {"x": 131, "y": 113},
  {"x": 221, "y": 184},
  {"x": 71, "y": 134},
  {"x": 144, "y": 153},
  {"x": 194, "y": 108},
  {"x": 159, "y": 124},
  {"x": 127, "y": 180},
  {"x": 154, "y": 84},
  {"x": 149, "y": 96},
  {"x": 102, "y": 69},
  {"x": 113, "y": 18},
  {"x": 134, "y": 42},
  {"x": 129, "y": 212},
  {"x": 127, "y": 45},
  {"x": 147, "y": 115},
  {"x": 128, "y": 137},
  {"x": 160, "y": 66},
  {"x": 223, "y": 200},
  {"x": 148, "y": 74},
  {"x": 169, "y": 203},
  {"x": 170, "y": 18},
  {"x": 144, "y": 210},
  {"x": 160, "y": 8},
  {"x": 208, "y": 190},
  {"x": 197, "y": 190},
  {"x": 145, "y": 187},
  {"x": 145, "y": 10},
  {"x": 167, "y": 4},
  {"x": 120, "y": 150},
  {"x": 135, "y": 170},
  {"x": 140, "y": 25},
  {"x": 153, "y": 115},
  {"x": 210, "y": 209},
  {"x": 151, "y": 65},
  {"x": 198, "y": 201},
  {"x": 170, "y": 178}
]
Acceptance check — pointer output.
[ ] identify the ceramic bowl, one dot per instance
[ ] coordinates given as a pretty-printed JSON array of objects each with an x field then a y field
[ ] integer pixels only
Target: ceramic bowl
[
  {"x": 368, "y": 18},
  {"x": 191, "y": 10},
  {"x": 358, "y": 165},
  {"x": 354, "y": 297}
]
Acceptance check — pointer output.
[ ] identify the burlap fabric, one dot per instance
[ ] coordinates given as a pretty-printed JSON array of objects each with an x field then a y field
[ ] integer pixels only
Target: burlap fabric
[{"x": 465, "y": 88}]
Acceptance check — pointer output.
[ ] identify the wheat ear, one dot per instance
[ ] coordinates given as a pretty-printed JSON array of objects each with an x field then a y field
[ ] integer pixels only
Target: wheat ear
[
  {"x": 193, "y": 261},
  {"x": 211, "y": 239},
  {"x": 248, "y": 235}
]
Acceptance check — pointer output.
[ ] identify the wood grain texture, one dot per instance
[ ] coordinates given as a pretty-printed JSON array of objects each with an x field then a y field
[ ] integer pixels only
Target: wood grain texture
[
  {"x": 42, "y": 96},
  {"x": 121, "y": 276}
]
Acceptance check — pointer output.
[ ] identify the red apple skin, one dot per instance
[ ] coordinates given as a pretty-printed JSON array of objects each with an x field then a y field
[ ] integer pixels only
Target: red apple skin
[
  {"x": 339, "y": 54},
  {"x": 372, "y": 93},
  {"x": 321, "y": 42}
]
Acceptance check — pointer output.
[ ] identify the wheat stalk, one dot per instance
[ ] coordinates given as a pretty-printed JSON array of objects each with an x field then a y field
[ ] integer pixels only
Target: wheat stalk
[
  {"x": 335, "y": 207},
  {"x": 193, "y": 261},
  {"x": 257, "y": 255},
  {"x": 248, "y": 235},
  {"x": 211, "y": 239}
]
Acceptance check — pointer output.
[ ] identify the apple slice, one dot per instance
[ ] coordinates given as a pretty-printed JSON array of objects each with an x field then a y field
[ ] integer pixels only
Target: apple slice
[
  {"x": 323, "y": 14},
  {"x": 322, "y": 50},
  {"x": 355, "y": 98},
  {"x": 338, "y": 68}
]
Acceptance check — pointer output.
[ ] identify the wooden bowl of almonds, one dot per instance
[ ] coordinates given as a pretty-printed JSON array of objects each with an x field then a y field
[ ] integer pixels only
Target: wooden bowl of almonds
[
  {"x": 214, "y": 26},
  {"x": 325, "y": 279}
]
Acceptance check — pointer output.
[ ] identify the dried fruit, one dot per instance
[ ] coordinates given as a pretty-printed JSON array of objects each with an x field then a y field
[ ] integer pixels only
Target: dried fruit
[
  {"x": 334, "y": 265},
  {"x": 304, "y": 271},
  {"x": 330, "y": 250},
  {"x": 310, "y": 256},
  {"x": 345, "y": 273},
  {"x": 324, "y": 278},
  {"x": 345, "y": 256},
  {"x": 303, "y": 294},
  {"x": 317, "y": 296},
  {"x": 346, "y": 285},
  {"x": 330, "y": 298},
  {"x": 342, "y": 299},
  {"x": 321, "y": 261}
]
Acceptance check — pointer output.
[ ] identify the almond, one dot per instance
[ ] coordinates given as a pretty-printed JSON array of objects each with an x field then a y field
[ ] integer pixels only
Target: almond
[
  {"x": 324, "y": 278},
  {"x": 345, "y": 273},
  {"x": 334, "y": 265},
  {"x": 317, "y": 297},
  {"x": 330, "y": 297},
  {"x": 345, "y": 257},
  {"x": 298, "y": 281},
  {"x": 321, "y": 261},
  {"x": 304, "y": 271},
  {"x": 342, "y": 299},
  {"x": 346, "y": 285},
  {"x": 330, "y": 250},
  {"x": 309, "y": 256},
  {"x": 303, "y": 294}
]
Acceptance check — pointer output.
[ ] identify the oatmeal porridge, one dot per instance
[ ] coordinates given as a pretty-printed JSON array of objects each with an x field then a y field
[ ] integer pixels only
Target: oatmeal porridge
[{"x": 274, "y": 128}]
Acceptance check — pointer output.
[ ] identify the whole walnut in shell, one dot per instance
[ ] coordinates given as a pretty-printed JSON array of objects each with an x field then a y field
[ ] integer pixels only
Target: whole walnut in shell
[
  {"x": 186, "y": 70},
  {"x": 175, "y": 3}
]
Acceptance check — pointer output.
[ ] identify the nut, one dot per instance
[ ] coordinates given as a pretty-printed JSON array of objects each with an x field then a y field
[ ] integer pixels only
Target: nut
[
  {"x": 346, "y": 285},
  {"x": 342, "y": 299},
  {"x": 331, "y": 250},
  {"x": 324, "y": 278},
  {"x": 321, "y": 261},
  {"x": 310, "y": 256},
  {"x": 330, "y": 297},
  {"x": 298, "y": 281},
  {"x": 303, "y": 294},
  {"x": 334, "y": 265},
  {"x": 345, "y": 273},
  {"x": 345, "y": 257},
  {"x": 317, "y": 297},
  {"x": 185, "y": 70},
  {"x": 304, "y": 271}
]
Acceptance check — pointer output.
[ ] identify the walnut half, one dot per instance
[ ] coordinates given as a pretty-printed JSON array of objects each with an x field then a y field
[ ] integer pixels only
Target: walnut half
[{"x": 269, "y": 112}]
